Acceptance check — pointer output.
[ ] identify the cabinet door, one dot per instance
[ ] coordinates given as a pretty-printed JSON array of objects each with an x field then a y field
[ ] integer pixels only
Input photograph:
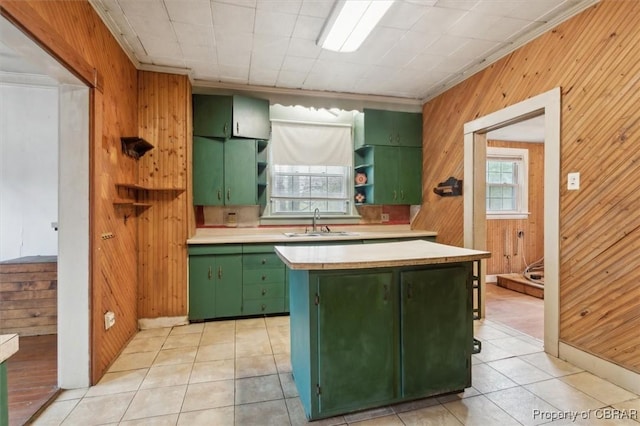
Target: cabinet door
[
  {"x": 410, "y": 175},
  {"x": 228, "y": 275},
  {"x": 357, "y": 340},
  {"x": 437, "y": 331},
  {"x": 212, "y": 115},
  {"x": 251, "y": 118},
  {"x": 379, "y": 127},
  {"x": 240, "y": 173},
  {"x": 202, "y": 291},
  {"x": 208, "y": 172},
  {"x": 385, "y": 175},
  {"x": 409, "y": 129}
]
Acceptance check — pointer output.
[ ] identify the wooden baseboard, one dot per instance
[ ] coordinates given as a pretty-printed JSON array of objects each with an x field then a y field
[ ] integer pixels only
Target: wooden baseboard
[{"x": 161, "y": 322}]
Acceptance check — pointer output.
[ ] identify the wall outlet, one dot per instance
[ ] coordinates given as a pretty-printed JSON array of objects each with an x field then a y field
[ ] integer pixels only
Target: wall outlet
[
  {"x": 384, "y": 217},
  {"x": 109, "y": 320}
]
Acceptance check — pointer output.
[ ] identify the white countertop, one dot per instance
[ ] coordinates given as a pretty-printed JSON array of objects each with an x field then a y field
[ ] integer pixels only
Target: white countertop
[
  {"x": 277, "y": 235},
  {"x": 406, "y": 253},
  {"x": 8, "y": 346}
]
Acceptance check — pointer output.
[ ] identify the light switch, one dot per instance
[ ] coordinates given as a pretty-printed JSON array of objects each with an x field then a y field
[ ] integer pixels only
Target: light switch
[{"x": 573, "y": 181}]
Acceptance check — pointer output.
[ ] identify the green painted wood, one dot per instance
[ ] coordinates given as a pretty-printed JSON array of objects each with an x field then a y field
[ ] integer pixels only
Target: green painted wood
[
  {"x": 240, "y": 172},
  {"x": 263, "y": 306},
  {"x": 215, "y": 249},
  {"x": 215, "y": 286},
  {"x": 228, "y": 274},
  {"x": 379, "y": 127},
  {"x": 264, "y": 291},
  {"x": 262, "y": 260},
  {"x": 212, "y": 115},
  {"x": 4, "y": 396},
  {"x": 437, "y": 330},
  {"x": 385, "y": 175},
  {"x": 208, "y": 171},
  {"x": 357, "y": 340},
  {"x": 251, "y": 118},
  {"x": 304, "y": 348},
  {"x": 410, "y": 175},
  {"x": 263, "y": 276},
  {"x": 201, "y": 287},
  {"x": 408, "y": 125}
]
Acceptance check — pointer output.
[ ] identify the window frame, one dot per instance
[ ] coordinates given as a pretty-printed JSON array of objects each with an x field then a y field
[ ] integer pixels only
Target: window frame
[{"x": 521, "y": 157}]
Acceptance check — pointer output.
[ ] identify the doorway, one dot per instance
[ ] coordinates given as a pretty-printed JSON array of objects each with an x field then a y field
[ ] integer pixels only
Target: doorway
[
  {"x": 475, "y": 229},
  {"x": 24, "y": 62}
]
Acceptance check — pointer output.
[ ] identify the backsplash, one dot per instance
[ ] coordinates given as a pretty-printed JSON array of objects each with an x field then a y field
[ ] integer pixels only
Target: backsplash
[{"x": 249, "y": 216}]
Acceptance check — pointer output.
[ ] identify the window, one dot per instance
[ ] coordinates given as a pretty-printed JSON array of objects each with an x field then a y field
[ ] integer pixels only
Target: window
[
  {"x": 507, "y": 183},
  {"x": 311, "y": 166},
  {"x": 302, "y": 189}
]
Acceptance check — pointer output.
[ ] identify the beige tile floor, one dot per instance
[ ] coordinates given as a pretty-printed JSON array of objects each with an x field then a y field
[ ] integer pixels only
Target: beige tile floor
[{"x": 238, "y": 372}]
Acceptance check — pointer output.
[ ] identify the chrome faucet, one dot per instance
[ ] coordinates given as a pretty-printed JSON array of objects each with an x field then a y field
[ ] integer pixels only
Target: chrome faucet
[{"x": 316, "y": 216}]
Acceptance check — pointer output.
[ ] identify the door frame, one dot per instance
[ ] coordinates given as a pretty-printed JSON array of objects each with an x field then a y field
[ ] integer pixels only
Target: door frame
[{"x": 475, "y": 153}]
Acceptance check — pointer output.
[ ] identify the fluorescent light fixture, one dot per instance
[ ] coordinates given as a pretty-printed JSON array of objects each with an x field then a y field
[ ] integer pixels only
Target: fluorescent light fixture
[{"x": 350, "y": 22}]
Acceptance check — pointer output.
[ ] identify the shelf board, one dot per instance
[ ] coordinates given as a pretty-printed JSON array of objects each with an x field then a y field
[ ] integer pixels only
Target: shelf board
[
  {"x": 130, "y": 203},
  {"x": 363, "y": 185},
  {"x": 147, "y": 188},
  {"x": 362, "y": 166}
]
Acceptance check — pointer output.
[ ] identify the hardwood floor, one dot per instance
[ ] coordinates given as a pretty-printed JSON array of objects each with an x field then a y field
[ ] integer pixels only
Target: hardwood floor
[
  {"x": 32, "y": 376},
  {"x": 516, "y": 310}
]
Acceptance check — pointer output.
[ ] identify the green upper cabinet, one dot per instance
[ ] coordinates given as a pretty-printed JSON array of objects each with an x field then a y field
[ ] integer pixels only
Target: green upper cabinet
[
  {"x": 231, "y": 116},
  {"x": 394, "y": 174},
  {"x": 392, "y": 128},
  {"x": 228, "y": 172}
]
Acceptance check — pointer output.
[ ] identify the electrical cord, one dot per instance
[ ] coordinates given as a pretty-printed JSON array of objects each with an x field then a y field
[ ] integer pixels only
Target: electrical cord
[{"x": 533, "y": 272}]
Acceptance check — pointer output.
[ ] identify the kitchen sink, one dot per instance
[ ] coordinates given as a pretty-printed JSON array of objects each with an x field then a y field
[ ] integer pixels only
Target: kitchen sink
[{"x": 320, "y": 234}]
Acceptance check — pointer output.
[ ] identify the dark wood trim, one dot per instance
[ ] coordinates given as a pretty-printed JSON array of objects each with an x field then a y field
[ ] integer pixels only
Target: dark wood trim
[{"x": 25, "y": 18}]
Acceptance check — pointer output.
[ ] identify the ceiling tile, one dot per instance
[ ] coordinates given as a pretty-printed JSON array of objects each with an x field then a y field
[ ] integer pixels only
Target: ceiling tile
[
  {"x": 303, "y": 48},
  {"x": 274, "y": 23},
  {"x": 147, "y": 26},
  {"x": 487, "y": 27},
  {"x": 474, "y": 48},
  {"x": 281, "y": 6},
  {"x": 244, "y": 3},
  {"x": 198, "y": 53},
  {"x": 203, "y": 70},
  {"x": 229, "y": 17},
  {"x": 266, "y": 60},
  {"x": 194, "y": 34},
  {"x": 437, "y": 20},
  {"x": 317, "y": 8},
  {"x": 234, "y": 58},
  {"x": 291, "y": 79},
  {"x": 457, "y": 4},
  {"x": 308, "y": 27},
  {"x": 160, "y": 47},
  {"x": 293, "y": 63},
  {"x": 263, "y": 76},
  {"x": 403, "y": 15},
  {"x": 445, "y": 45},
  {"x": 426, "y": 61},
  {"x": 271, "y": 45},
  {"x": 234, "y": 40},
  {"x": 232, "y": 74},
  {"x": 153, "y": 10},
  {"x": 195, "y": 12}
]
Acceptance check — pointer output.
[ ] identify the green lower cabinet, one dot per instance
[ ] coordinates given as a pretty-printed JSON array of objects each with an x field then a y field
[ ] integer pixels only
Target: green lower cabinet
[
  {"x": 263, "y": 281},
  {"x": 435, "y": 359},
  {"x": 357, "y": 350},
  {"x": 215, "y": 286}
]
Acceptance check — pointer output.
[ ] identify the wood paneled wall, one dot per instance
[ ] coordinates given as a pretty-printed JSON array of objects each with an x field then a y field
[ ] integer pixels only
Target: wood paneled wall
[
  {"x": 508, "y": 252},
  {"x": 164, "y": 112},
  {"x": 113, "y": 114},
  {"x": 594, "y": 58}
]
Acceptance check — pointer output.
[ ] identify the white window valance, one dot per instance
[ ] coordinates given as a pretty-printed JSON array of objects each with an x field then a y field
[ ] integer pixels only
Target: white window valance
[{"x": 310, "y": 144}]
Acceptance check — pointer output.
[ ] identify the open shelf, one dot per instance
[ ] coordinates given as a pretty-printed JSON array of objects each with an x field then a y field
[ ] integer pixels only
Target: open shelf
[
  {"x": 132, "y": 203},
  {"x": 147, "y": 188}
]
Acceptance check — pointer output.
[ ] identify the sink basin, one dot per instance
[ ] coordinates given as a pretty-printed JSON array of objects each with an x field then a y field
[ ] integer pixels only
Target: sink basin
[{"x": 320, "y": 234}]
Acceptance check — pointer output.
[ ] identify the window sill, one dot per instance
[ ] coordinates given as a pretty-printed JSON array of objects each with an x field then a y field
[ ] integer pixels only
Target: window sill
[{"x": 493, "y": 216}]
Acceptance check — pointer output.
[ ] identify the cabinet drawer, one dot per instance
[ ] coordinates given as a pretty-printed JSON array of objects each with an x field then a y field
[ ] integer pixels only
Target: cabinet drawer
[
  {"x": 263, "y": 276},
  {"x": 261, "y": 260},
  {"x": 263, "y": 306},
  {"x": 263, "y": 291}
]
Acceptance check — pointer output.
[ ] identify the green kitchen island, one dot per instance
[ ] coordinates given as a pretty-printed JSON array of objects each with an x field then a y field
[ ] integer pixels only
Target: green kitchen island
[{"x": 378, "y": 324}]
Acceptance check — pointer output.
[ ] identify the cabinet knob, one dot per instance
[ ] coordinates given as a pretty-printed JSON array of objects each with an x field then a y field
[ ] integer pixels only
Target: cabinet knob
[
  {"x": 228, "y": 193},
  {"x": 409, "y": 291},
  {"x": 264, "y": 261},
  {"x": 264, "y": 277},
  {"x": 225, "y": 129},
  {"x": 237, "y": 127},
  {"x": 264, "y": 291},
  {"x": 219, "y": 271},
  {"x": 210, "y": 274},
  {"x": 395, "y": 195},
  {"x": 402, "y": 194},
  {"x": 219, "y": 195},
  {"x": 264, "y": 307},
  {"x": 386, "y": 292}
]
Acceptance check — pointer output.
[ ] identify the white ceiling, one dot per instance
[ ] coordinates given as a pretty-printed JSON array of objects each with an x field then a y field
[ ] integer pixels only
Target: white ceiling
[{"x": 420, "y": 48}]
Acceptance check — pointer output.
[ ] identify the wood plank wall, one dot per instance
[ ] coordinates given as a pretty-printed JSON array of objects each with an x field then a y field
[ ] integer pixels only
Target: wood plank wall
[
  {"x": 113, "y": 114},
  {"x": 508, "y": 252},
  {"x": 164, "y": 113},
  {"x": 594, "y": 58}
]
